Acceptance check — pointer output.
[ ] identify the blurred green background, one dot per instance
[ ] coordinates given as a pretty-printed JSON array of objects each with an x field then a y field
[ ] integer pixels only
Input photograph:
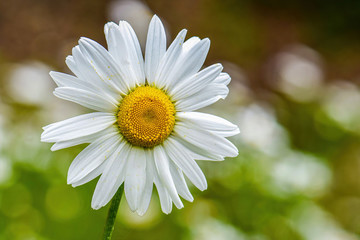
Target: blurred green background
[{"x": 295, "y": 68}]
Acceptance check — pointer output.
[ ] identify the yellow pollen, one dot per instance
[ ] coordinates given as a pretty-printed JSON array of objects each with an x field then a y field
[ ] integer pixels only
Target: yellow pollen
[{"x": 146, "y": 117}]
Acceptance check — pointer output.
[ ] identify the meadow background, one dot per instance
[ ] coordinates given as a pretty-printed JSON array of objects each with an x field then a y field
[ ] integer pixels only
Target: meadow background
[{"x": 295, "y": 68}]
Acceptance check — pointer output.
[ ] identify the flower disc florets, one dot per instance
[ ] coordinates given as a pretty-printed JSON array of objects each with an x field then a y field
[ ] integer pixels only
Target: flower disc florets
[{"x": 146, "y": 117}]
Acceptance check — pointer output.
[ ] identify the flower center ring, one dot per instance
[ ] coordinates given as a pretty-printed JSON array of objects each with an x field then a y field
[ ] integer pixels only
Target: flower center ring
[{"x": 146, "y": 116}]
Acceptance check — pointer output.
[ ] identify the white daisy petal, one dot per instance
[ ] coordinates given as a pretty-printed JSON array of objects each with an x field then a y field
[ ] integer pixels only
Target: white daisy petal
[
  {"x": 70, "y": 62},
  {"x": 206, "y": 140},
  {"x": 85, "y": 71},
  {"x": 66, "y": 80},
  {"x": 92, "y": 156},
  {"x": 102, "y": 103},
  {"x": 198, "y": 153},
  {"x": 208, "y": 122},
  {"x": 135, "y": 177},
  {"x": 112, "y": 176},
  {"x": 81, "y": 140},
  {"x": 91, "y": 175},
  {"x": 146, "y": 196},
  {"x": 196, "y": 82},
  {"x": 205, "y": 97},
  {"x": 223, "y": 78},
  {"x": 188, "y": 44},
  {"x": 180, "y": 182},
  {"x": 186, "y": 163},
  {"x": 163, "y": 169},
  {"x": 188, "y": 63},
  {"x": 222, "y": 89},
  {"x": 76, "y": 127},
  {"x": 165, "y": 200},
  {"x": 133, "y": 51},
  {"x": 104, "y": 65},
  {"x": 118, "y": 49},
  {"x": 155, "y": 48},
  {"x": 171, "y": 56},
  {"x": 82, "y": 68},
  {"x": 112, "y": 38},
  {"x": 226, "y": 133}
]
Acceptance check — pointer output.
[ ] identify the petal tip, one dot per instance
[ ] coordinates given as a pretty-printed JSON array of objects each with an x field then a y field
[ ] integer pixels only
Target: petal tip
[
  {"x": 206, "y": 42},
  {"x": 109, "y": 25},
  {"x": 218, "y": 65},
  {"x": 95, "y": 206},
  {"x": 234, "y": 154},
  {"x": 82, "y": 40},
  {"x": 43, "y": 137},
  {"x": 155, "y": 18},
  {"x": 53, "y": 148},
  {"x": 69, "y": 181},
  {"x": 180, "y": 206},
  {"x": 166, "y": 212},
  {"x": 124, "y": 23},
  {"x": 140, "y": 212},
  {"x": 183, "y": 32}
]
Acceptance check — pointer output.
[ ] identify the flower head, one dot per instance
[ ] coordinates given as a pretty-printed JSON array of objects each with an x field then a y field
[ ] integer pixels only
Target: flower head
[{"x": 144, "y": 130}]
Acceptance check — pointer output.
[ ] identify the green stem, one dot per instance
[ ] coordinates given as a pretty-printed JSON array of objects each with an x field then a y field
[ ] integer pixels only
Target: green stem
[{"x": 110, "y": 221}]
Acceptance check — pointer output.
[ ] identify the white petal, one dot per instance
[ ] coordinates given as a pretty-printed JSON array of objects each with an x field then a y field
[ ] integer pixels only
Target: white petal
[
  {"x": 66, "y": 80},
  {"x": 188, "y": 63},
  {"x": 180, "y": 182},
  {"x": 70, "y": 62},
  {"x": 188, "y": 44},
  {"x": 104, "y": 65},
  {"x": 125, "y": 48},
  {"x": 112, "y": 176},
  {"x": 91, "y": 100},
  {"x": 221, "y": 89},
  {"x": 84, "y": 71},
  {"x": 223, "y": 78},
  {"x": 112, "y": 36},
  {"x": 186, "y": 163},
  {"x": 92, "y": 156},
  {"x": 196, "y": 82},
  {"x": 133, "y": 52},
  {"x": 170, "y": 58},
  {"x": 76, "y": 127},
  {"x": 118, "y": 49},
  {"x": 208, "y": 122},
  {"x": 146, "y": 196},
  {"x": 165, "y": 200},
  {"x": 198, "y": 153},
  {"x": 206, "y": 140},
  {"x": 155, "y": 48},
  {"x": 135, "y": 177},
  {"x": 163, "y": 169},
  {"x": 81, "y": 140},
  {"x": 205, "y": 97},
  {"x": 91, "y": 175}
]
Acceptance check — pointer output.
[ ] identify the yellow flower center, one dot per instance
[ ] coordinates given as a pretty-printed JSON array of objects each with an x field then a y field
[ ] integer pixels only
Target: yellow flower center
[{"x": 146, "y": 117}]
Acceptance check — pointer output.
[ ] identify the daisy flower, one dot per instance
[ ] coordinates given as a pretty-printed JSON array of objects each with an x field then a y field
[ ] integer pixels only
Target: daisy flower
[{"x": 144, "y": 129}]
